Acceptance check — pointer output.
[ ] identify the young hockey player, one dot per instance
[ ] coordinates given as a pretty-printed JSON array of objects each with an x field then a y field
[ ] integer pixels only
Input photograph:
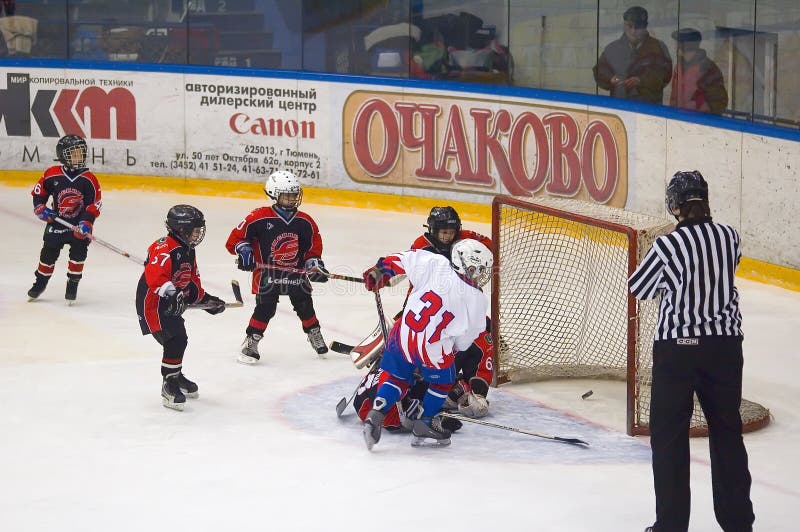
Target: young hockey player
[
  {"x": 76, "y": 200},
  {"x": 474, "y": 364},
  {"x": 445, "y": 312},
  {"x": 280, "y": 236},
  {"x": 169, "y": 283}
]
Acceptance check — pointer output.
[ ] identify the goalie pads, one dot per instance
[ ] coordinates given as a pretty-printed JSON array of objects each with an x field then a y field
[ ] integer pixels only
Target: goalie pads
[{"x": 368, "y": 349}]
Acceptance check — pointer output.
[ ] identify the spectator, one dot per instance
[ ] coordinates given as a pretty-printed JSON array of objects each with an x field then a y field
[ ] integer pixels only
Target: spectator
[
  {"x": 636, "y": 66},
  {"x": 697, "y": 83}
]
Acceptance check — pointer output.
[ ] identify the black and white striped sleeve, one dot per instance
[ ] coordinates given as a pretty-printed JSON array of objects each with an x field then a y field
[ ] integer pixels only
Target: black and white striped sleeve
[{"x": 646, "y": 280}]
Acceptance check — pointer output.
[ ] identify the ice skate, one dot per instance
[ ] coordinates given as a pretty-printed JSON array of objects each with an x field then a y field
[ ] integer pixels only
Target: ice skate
[
  {"x": 372, "y": 427},
  {"x": 38, "y": 287},
  {"x": 429, "y": 429},
  {"x": 72, "y": 291},
  {"x": 249, "y": 354},
  {"x": 188, "y": 387},
  {"x": 171, "y": 394},
  {"x": 317, "y": 341}
]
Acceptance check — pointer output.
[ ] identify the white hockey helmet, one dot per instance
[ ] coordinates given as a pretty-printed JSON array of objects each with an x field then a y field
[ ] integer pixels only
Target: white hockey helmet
[
  {"x": 472, "y": 260},
  {"x": 284, "y": 182}
]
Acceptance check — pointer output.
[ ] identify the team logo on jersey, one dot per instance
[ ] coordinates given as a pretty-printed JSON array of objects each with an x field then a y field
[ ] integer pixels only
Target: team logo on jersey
[
  {"x": 182, "y": 276},
  {"x": 70, "y": 203},
  {"x": 284, "y": 249}
]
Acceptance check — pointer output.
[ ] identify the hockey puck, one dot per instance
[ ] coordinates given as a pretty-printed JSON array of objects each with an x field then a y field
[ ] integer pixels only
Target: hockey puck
[{"x": 587, "y": 394}]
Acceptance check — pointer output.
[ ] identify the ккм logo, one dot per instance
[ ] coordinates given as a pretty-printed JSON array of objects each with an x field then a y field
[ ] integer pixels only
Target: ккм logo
[{"x": 70, "y": 110}]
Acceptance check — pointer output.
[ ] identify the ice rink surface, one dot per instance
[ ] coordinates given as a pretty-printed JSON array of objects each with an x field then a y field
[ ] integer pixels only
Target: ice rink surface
[{"x": 85, "y": 444}]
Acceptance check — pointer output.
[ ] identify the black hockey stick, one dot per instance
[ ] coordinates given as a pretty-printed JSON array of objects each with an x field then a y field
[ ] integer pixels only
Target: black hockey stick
[
  {"x": 560, "y": 439},
  {"x": 344, "y": 401},
  {"x": 103, "y": 243},
  {"x": 237, "y": 294},
  {"x": 339, "y": 347}
]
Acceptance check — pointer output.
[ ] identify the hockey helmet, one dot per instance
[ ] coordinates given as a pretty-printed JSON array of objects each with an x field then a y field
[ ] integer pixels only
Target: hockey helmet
[
  {"x": 443, "y": 218},
  {"x": 182, "y": 223},
  {"x": 284, "y": 182},
  {"x": 473, "y": 261},
  {"x": 71, "y": 152},
  {"x": 685, "y": 186}
]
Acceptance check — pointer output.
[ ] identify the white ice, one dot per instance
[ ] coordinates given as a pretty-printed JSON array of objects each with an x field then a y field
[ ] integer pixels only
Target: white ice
[{"x": 85, "y": 444}]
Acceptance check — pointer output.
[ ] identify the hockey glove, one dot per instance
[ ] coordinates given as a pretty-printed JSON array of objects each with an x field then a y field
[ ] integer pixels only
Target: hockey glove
[
  {"x": 176, "y": 303},
  {"x": 317, "y": 272},
  {"x": 245, "y": 259},
  {"x": 83, "y": 229},
  {"x": 218, "y": 304},
  {"x": 474, "y": 403},
  {"x": 44, "y": 214},
  {"x": 378, "y": 276}
]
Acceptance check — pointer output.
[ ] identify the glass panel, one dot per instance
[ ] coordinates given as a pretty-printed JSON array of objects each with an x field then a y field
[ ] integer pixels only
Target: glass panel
[
  {"x": 777, "y": 63},
  {"x": 635, "y": 62},
  {"x": 713, "y": 47},
  {"x": 554, "y": 44},
  {"x": 105, "y": 30},
  {"x": 245, "y": 33},
  {"x": 36, "y": 28},
  {"x": 357, "y": 37},
  {"x": 461, "y": 40}
]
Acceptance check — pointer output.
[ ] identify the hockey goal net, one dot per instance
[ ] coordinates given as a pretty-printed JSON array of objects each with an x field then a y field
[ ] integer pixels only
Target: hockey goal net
[{"x": 560, "y": 301}]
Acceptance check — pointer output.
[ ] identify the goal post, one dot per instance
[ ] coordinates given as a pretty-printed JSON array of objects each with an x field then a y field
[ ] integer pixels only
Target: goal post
[{"x": 561, "y": 307}]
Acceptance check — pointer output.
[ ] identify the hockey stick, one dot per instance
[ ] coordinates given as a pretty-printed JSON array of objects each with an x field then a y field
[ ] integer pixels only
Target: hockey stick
[
  {"x": 560, "y": 439},
  {"x": 339, "y": 347},
  {"x": 237, "y": 294},
  {"x": 103, "y": 243},
  {"x": 344, "y": 401},
  {"x": 262, "y": 266}
]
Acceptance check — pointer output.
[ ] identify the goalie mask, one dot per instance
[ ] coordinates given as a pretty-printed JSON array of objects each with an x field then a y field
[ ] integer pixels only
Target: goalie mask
[
  {"x": 443, "y": 218},
  {"x": 284, "y": 189},
  {"x": 71, "y": 152},
  {"x": 685, "y": 187},
  {"x": 186, "y": 224},
  {"x": 472, "y": 261}
]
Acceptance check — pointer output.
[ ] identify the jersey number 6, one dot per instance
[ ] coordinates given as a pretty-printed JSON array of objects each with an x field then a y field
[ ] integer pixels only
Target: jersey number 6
[{"x": 419, "y": 322}]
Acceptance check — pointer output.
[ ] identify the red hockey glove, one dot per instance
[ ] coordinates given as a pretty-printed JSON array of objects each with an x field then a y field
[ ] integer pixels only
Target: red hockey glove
[{"x": 375, "y": 279}]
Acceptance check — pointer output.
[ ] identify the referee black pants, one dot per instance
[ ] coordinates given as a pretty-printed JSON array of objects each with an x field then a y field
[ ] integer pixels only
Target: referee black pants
[{"x": 711, "y": 367}]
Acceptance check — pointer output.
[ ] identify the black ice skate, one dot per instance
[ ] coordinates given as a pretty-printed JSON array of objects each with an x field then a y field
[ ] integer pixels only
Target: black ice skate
[
  {"x": 38, "y": 286},
  {"x": 372, "y": 427},
  {"x": 249, "y": 353},
  {"x": 171, "y": 394},
  {"x": 188, "y": 388},
  {"x": 317, "y": 341},
  {"x": 72, "y": 291},
  {"x": 429, "y": 429}
]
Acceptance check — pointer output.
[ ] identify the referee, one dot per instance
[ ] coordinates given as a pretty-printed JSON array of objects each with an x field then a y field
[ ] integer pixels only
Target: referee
[{"x": 697, "y": 349}]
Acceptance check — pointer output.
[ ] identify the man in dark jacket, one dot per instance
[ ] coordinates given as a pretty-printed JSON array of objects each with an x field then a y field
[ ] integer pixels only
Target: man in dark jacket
[{"x": 636, "y": 66}]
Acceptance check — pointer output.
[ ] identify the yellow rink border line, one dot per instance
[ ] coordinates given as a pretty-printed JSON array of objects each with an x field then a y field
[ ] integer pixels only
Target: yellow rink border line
[{"x": 751, "y": 269}]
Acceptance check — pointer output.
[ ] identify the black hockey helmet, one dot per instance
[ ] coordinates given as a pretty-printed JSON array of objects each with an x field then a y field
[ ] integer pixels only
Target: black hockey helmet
[
  {"x": 71, "y": 152},
  {"x": 181, "y": 222},
  {"x": 684, "y": 187},
  {"x": 442, "y": 218}
]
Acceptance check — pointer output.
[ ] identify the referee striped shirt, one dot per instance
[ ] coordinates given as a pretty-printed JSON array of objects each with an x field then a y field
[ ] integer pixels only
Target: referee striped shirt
[{"x": 692, "y": 269}]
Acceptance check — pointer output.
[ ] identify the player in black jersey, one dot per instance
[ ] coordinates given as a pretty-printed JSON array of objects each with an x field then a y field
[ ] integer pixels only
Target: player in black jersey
[
  {"x": 697, "y": 349},
  {"x": 285, "y": 238},
  {"x": 169, "y": 283},
  {"x": 76, "y": 199}
]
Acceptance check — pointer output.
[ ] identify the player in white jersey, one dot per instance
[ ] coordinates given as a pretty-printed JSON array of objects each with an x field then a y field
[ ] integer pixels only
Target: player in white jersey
[{"x": 445, "y": 313}]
